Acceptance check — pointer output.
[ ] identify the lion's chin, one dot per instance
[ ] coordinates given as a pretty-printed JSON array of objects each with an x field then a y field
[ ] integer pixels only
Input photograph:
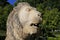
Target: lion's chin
[
  {"x": 31, "y": 29},
  {"x": 32, "y": 36}
]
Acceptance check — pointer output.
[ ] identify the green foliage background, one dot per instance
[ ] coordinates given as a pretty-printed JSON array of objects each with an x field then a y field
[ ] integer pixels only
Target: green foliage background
[
  {"x": 5, "y": 9},
  {"x": 50, "y": 10}
]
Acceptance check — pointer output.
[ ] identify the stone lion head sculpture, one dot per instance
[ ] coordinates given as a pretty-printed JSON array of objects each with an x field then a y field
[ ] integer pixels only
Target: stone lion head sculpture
[{"x": 22, "y": 21}]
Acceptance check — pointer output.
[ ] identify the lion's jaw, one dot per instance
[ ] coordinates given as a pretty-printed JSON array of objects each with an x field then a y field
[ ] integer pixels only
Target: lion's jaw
[{"x": 29, "y": 29}]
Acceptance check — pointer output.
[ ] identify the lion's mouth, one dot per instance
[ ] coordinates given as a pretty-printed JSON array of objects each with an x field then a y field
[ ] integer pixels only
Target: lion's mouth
[{"x": 37, "y": 24}]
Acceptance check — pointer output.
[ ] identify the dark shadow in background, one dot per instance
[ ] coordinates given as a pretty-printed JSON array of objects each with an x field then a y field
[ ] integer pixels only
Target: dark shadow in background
[{"x": 2, "y": 37}]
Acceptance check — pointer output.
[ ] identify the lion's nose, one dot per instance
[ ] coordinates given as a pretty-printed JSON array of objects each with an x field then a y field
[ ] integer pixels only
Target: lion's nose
[{"x": 40, "y": 15}]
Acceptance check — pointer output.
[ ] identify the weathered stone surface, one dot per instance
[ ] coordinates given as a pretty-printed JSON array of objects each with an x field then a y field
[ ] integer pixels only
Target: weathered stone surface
[{"x": 22, "y": 22}]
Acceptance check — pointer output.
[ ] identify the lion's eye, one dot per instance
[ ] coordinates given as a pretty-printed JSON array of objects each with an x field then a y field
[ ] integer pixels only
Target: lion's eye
[{"x": 28, "y": 9}]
